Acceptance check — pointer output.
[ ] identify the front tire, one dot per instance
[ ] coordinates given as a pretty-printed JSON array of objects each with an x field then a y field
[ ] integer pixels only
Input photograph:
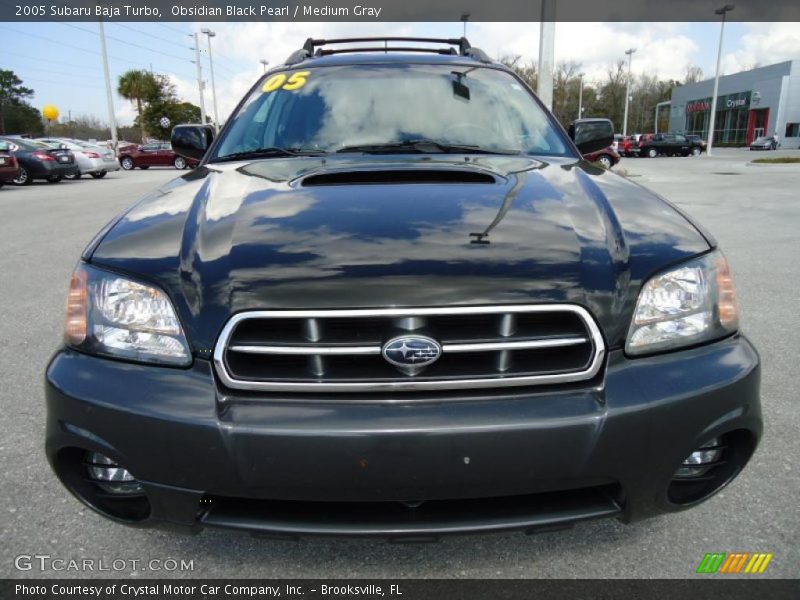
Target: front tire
[
  {"x": 127, "y": 163},
  {"x": 696, "y": 151},
  {"x": 605, "y": 161},
  {"x": 99, "y": 174},
  {"x": 23, "y": 177},
  {"x": 179, "y": 163},
  {"x": 652, "y": 153}
]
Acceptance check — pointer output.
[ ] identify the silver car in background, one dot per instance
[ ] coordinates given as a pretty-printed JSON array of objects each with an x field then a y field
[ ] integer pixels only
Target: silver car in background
[{"x": 92, "y": 159}]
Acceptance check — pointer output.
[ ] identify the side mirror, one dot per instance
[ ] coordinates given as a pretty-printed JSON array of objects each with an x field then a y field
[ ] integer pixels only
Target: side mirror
[
  {"x": 192, "y": 141},
  {"x": 591, "y": 135}
]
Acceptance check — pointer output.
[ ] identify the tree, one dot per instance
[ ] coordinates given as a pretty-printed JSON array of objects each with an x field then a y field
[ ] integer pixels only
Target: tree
[
  {"x": 139, "y": 87},
  {"x": 177, "y": 113},
  {"x": 11, "y": 92},
  {"x": 611, "y": 94},
  {"x": 86, "y": 127},
  {"x": 693, "y": 74},
  {"x": 21, "y": 117}
]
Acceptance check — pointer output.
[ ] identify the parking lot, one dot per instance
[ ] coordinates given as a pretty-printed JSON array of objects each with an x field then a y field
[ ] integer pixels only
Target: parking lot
[{"x": 754, "y": 211}]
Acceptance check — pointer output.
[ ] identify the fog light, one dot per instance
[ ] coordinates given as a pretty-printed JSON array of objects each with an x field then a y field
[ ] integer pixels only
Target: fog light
[
  {"x": 111, "y": 477},
  {"x": 701, "y": 460}
]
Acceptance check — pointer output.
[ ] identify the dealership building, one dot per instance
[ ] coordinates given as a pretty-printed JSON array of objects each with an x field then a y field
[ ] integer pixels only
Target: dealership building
[{"x": 762, "y": 101}]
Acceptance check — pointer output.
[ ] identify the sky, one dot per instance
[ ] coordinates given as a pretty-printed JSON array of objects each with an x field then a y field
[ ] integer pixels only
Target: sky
[{"x": 61, "y": 61}]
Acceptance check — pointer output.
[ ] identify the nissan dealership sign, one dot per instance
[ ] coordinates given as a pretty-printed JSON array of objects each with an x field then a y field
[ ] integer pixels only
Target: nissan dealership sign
[{"x": 740, "y": 100}]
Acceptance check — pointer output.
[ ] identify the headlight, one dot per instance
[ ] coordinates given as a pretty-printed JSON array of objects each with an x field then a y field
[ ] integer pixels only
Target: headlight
[
  {"x": 689, "y": 304},
  {"x": 111, "y": 315}
]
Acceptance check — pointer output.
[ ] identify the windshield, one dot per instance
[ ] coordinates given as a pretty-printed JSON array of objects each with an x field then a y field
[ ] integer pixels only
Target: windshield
[{"x": 342, "y": 108}]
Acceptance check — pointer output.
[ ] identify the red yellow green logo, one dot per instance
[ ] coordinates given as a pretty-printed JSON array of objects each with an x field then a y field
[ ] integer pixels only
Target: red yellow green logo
[{"x": 735, "y": 562}]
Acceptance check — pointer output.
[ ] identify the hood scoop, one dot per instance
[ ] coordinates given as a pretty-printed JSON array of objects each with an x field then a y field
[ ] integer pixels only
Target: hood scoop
[{"x": 397, "y": 176}]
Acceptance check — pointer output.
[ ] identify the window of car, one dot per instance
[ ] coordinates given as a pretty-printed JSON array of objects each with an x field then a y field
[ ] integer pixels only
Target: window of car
[
  {"x": 148, "y": 147},
  {"x": 327, "y": 109},
  {"x": 680, "y": 139}
]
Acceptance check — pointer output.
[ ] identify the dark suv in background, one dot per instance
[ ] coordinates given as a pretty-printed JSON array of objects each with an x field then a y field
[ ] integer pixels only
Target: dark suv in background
[
  {"x": 394, "y": 300},
  {"x": 667, "y": 144}
]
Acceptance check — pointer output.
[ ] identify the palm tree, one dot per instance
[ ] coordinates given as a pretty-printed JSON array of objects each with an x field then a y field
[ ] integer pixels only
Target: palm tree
[{"x": 138, "y": 86}]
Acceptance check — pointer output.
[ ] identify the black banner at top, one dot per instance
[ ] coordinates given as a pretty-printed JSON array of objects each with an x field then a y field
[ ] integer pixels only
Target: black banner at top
[{"x": 398, "y": 10}]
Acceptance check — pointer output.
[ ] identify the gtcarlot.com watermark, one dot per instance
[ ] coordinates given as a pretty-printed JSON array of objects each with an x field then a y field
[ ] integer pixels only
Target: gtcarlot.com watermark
[{"x": 47, "y": 562}]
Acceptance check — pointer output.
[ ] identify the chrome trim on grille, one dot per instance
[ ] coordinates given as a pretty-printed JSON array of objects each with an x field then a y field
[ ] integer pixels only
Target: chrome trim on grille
[
  {"x": 523, "y": 345},
  {"x": 347, "y": 350},
  {"x": 408, "y": 385},
  {"x": 307, "y": 350}
]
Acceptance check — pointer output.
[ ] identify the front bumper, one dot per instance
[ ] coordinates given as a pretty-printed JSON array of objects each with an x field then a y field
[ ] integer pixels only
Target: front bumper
[{"x": 334, "y": 465}]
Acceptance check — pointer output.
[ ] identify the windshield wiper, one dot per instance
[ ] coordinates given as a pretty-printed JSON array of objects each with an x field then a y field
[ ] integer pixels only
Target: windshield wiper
[
  {"x": 423, "y": 146},
  {"x": 267, "y": 152}
]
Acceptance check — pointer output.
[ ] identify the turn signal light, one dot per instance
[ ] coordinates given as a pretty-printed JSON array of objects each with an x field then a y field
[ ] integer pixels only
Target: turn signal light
[
  {"x": 726, "y": 303},
  {"x": 75, "y": 326}
]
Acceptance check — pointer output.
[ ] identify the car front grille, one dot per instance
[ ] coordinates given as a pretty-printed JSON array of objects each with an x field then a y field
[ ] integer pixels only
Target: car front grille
[{"x": 348, "y": 350}]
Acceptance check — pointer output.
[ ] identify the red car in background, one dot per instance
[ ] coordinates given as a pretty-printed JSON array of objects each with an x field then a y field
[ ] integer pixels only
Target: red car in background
[
  {"x": 154, "y": 154},
  {"x": 9, "y": 168},
  {"x": 607, "y": 157}
]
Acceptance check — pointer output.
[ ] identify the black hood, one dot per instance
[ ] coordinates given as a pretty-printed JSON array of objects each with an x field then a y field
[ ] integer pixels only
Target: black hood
[{"x": 407, "y": 230}]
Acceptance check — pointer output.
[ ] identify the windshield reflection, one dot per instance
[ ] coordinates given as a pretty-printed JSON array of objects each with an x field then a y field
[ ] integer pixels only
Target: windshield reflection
[{"x": 362, "y": 105}]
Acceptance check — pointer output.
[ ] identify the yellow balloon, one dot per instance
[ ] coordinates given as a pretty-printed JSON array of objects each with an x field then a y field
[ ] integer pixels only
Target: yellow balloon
[{"x": 50, "y": 112}]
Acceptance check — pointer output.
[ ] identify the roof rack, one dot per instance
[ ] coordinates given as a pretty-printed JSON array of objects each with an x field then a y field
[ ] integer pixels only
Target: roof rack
[{"x": 313, "y": 47}]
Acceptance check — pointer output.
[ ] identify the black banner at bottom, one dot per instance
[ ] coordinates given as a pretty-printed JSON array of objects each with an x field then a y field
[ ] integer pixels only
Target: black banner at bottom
[{"x": 745, "y": 588}]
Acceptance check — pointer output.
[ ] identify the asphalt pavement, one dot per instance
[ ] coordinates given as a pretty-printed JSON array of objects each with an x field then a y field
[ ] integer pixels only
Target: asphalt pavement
[{"x": 754, "y": 211}]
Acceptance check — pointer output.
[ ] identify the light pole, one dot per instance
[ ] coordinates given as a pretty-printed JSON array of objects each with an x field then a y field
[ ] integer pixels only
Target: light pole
[
  {"x": 211, "y": 34},
  {"x": 547, "y": 43},
  {"x": 199, "y": 77},
  {"x": 627, "y": 91},
  {"x": 580, "y": 96},
  {"x": 264, "y": 63},
  {"x": 720, "y": 11},
  {"x": 109, "y": 98},
  {"x": 464, "y": 19}
]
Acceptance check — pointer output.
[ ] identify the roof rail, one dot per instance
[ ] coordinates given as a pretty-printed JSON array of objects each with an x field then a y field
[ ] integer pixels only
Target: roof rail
[{"x": 313, "y": 47}]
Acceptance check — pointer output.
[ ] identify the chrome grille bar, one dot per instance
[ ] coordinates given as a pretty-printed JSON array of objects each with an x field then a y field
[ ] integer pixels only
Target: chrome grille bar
[{"x": 345, "y": 350}]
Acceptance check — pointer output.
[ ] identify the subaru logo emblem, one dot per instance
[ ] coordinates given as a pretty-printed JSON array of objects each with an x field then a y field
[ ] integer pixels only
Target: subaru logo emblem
[{"x": 412, "y": 351}]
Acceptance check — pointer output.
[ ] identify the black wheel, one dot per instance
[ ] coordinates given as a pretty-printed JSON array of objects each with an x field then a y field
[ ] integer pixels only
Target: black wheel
[
  {"x": 75, "y": 176},
  {"x": 696, "y": 151},
  {"x": 652, "y": 153},
  {"x": 180, "y": 163},
  {"x": 126, "y": 162},
  {"x": 144, "y": 167},
  {"x": 54, "y": 178},
  {"x": 605, "y": 161},
  {"x": 23, "y": 177},
  {"x": 99, "y": 174}
]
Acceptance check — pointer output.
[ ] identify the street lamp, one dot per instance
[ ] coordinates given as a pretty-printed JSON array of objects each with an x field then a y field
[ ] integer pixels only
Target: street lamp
[
  {"x": 464, "y": 19},
  {"x": 720, "y": 11},
  {"x": 580, "y": 96},
  {"x": 264, "y": 62},
  {"x": 211, "y": 34},
  {"x": 627, "y": 91},
  {"x": 199, "y": 76}
]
